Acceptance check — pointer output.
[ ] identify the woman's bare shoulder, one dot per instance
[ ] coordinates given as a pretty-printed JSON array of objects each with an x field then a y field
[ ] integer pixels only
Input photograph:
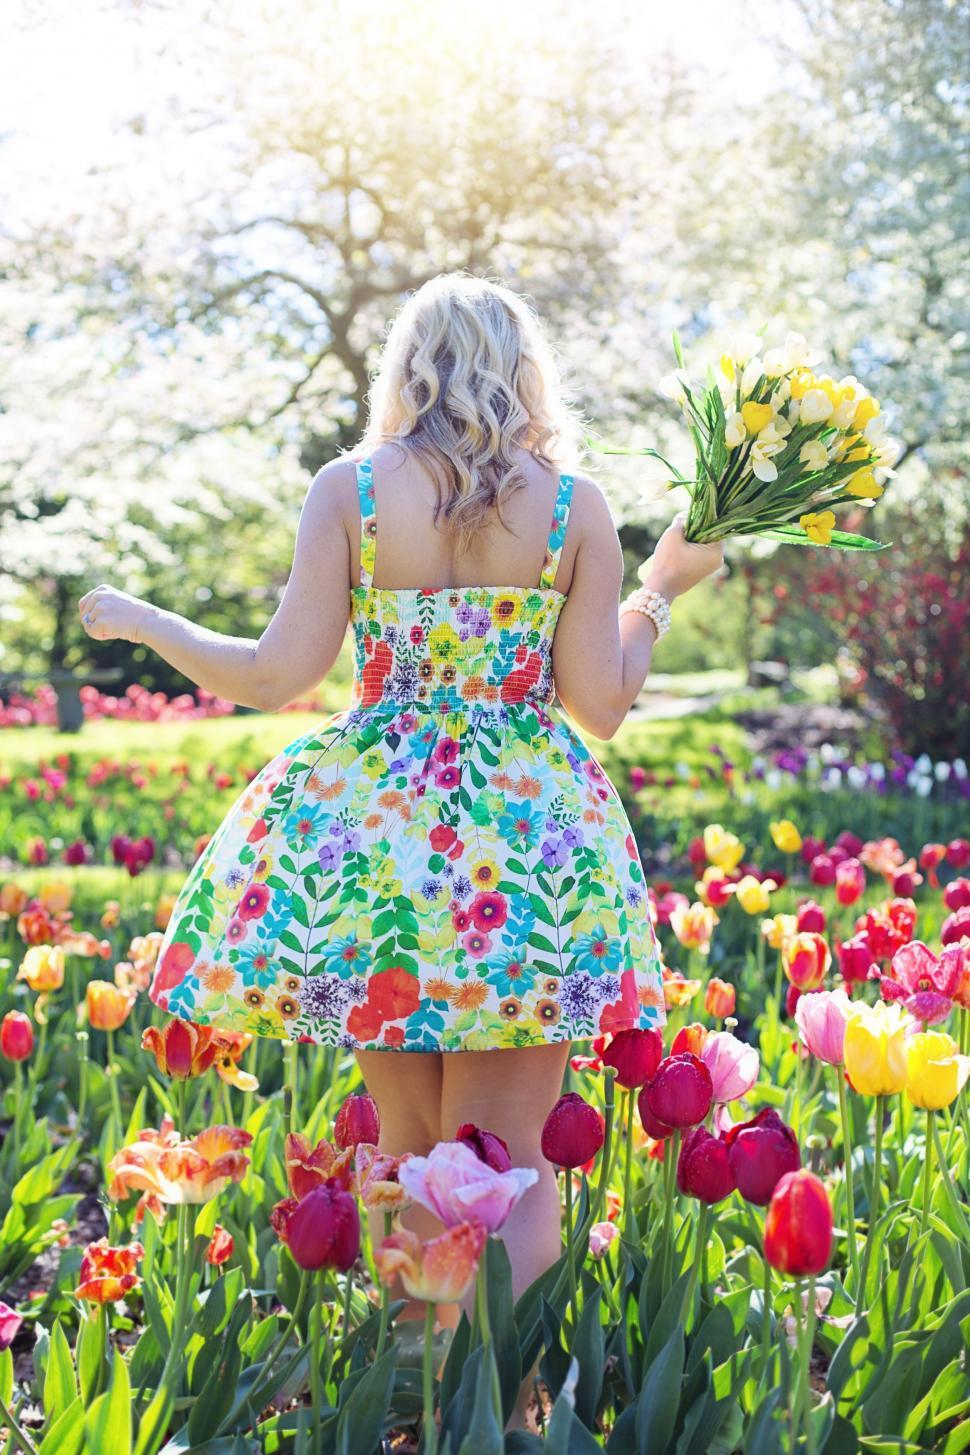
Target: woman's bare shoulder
[{"x": 590, "y": 507}]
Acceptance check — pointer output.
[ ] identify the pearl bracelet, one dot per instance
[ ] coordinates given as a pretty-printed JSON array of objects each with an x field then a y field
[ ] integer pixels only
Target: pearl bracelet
[{"x": 651, "y": 604}]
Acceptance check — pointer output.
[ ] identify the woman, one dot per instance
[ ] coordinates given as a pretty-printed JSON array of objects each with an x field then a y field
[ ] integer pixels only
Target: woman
[{"x": 442, "y": 871}]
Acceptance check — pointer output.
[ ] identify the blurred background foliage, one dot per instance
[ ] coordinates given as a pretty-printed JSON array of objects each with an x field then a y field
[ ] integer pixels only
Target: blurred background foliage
[{"x": 204, "y": 238}]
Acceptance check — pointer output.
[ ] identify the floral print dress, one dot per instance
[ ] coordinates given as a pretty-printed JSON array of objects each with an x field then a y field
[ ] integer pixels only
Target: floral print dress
[{"x": 442, "y": 866}]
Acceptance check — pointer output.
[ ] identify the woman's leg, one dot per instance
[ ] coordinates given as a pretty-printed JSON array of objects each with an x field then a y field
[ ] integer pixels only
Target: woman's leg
[
  {"x": 511, "y": 1093},
  {"x": 407, "y": 1088}
]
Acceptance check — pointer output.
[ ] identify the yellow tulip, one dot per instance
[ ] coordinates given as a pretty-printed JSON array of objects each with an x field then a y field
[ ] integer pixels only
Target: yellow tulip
[
  {"x": 818, "y": 526},
  {"x": 56, "y": 895},
  {"x": 756, "y": 416},
  {"x": 779, "y": 928},
  {"x": 754, "y": 895},
  {"x": 785, "y": 836},
  {"x": 43, "y": 968},
  {"x": 722, "y": 848},
  {"x": 109, "y": 1006},
  {"x": 875, "y": 1048},
  {"x": 935, "y": 1070}
]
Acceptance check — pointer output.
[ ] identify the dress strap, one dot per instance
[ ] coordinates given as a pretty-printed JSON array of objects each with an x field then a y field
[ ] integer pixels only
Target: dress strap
[
  {"x": 368, "y": 521},
  {"x": 557, "y": 535}
]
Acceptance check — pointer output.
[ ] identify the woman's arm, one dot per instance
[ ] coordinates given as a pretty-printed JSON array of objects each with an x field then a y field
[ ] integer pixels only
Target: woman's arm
[
  {"x": 600, "y": 660},
  {"x": 301, "y": 642}
]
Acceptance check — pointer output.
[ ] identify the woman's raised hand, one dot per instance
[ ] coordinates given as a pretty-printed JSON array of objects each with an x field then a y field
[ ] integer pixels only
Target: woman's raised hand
[
  {"x": 678, "y": 564},
  {"x": 108, "y": 614}
]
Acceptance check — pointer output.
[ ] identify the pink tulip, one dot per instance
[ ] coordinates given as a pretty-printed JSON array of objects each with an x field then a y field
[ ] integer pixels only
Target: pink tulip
[
  {"x": 357, "y": 1121},
  {"x": 820, "y": 1016},
  {"x": 733, "y": 1065},
  {"x": 454, "y": 1185},
  {"x": 601, "y": 1238},
  {"x": 10, "y": 1322}
]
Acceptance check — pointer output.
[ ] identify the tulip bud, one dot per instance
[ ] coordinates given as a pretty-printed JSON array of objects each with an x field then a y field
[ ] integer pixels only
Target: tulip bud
[
  {"x": 681, "y": 1092},
  {"x": 16, "y": 1036},
  {"x": 487, "y": 1146},
  {"x": 573, "y": 1132},
  {"x": 322, "y": 1230},
  {"x": 855, "y": 957},
  {"x": 220, "y": 1246},
  {"x": 357, "y": 1121},
  {"x": 798, "y": 1226},
  {"x": 956, "y": 895},
  {"x": 635, "y": 1056},
  {"x": 761, "y": 1151},
  {"x": 601, "y": 1238},
  {"x": 958, "y": 853},
  {"x": 704, "y": 1167}
]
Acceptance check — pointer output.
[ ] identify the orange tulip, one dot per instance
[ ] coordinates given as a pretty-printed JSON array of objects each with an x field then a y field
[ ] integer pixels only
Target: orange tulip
[
  {"x": 220, "y": 1247},
  {"x": 678, "y": 990},
  {"x": 181, "y": 1048},
  {"x": 438, "y": 1271},
  {"x": 55, "y": 895},
  {"x": 230, "y": 1046},
  {"x": 43, "y": 968},
  {"x": 13, "y": 899},
  {"x": 163, "y": 910},
  {"x": 108, "y": 1274},
  {"x": 375, "y": 1173},
  {"x": 806, "y": 958},
  {"x": 167, "y": 1169},
  {"x": 108, "y": 1007},
  {"x": 308, "y": 1167},
  {"x": 691, "y": 1038},
  {"x": 719, "y": 998},
  {"x": 34, "y": 924}
]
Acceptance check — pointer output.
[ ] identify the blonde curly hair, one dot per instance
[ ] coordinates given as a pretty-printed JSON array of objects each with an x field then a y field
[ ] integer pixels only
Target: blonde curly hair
[{"x": 466, "y": 377}]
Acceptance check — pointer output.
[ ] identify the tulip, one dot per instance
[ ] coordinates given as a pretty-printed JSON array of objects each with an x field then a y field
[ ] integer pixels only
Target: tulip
[
  {"x": 692, "y": 1037},
  {"x": 761, "y": 1152},
  {"x": 454, "y": 1185},
  {"x": 958, "y": 853},
  {"x": 810, "y": 917},
  {"x": 377, "y": 1178},
  {"x": 357, "y": 1121},
  {"x": 694, "y": 926},
  {"x": 806, "y": 959},
  {"x": 785, "y": 836},
  {"x": 654, "y": 1128},
  {"x": 635, "y": 1056},
  {"x": 792, "y": 996},
  {"x": 811, "y": 847},
  {"x": 753, "y": 894},
  {"x": 681, "y": 1092},
  {"x": 935, "y": 1074},
  {"x": 220, "y": 1247},
  {"x": 855, "y": 958},
  {"x": 956, "y": 895},
  {"x": 874, "y": 1048},
  {"x": 956, "y": 926},
  {"x": 169, "y": 1170},
  {"x": 924, "y": 983},
  {"x": 230, "y": 1046},
  {"x": 850, "y": 842},
  {"x": 16, "y": 1036},
  {"x": 704, "y": 1167},
  {"x": 43, "y": 968},
  {"x": 108, "y": 1006},
  {"x": 601, "y": 1239},
  {"x": 309, "y": 1167},
  {"x": 322, "y": 1230},
  {"x": 713, "y": 889},
  {"x": 573, "y": 1132},
  {"x": 719, "y": 998},
  {"x": 438, "y": 1271},
  {"x": 798, "y": 1225},
  {"x": 487, "y": 1146},
  {"x": 778, "y": 929},
  {"x": 821, "y": 1016},
  {"x": 108, "y": 1274},
  {"x": 10, "y": 1322},
  {"x": 181, "y": 1048},
  {"x": 821, "y": 870},
  {"x": 722, "y": 848},
  {"x": 850, "y": 881},
  {"x": 733, "y": 1065}
]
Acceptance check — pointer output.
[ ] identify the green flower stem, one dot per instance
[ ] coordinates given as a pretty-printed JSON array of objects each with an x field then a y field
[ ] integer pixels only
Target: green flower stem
[
  {"x": 766, "y": 1314},
  {"x": 671, "y": 1158},
  {"x": 606, "y": 1159},
  {"x": 927, "y": 1172},
  {"x": 348, "y": 1297},
  {"x": 430, "y": 1429},
  {"x": 873, "y": 1208},
  {"x": 385, "y": 1298},
  {"x": 629, "y": 1224},
  {"x": 18, "y": 1096},
  {"x": 944, "y": 1166},
  {"x": 21, "y": 1440},
  {"x": 778, "y": 974},
  {"x": 849, "y": 1179},
  {"x": 699, "y": 1249},
  {"x": 806, "y": 1332},
  {"x": 82, "y": 1075},
  {"x": 570, "y": 1250},
  {"x": 481, "y": 1298},
  {"x": 291, "y": 1326},
  {"x": 113, "y": 1085},
  {"x": 316, "y": 1354},
  {"x": 291, "y": 1087}
]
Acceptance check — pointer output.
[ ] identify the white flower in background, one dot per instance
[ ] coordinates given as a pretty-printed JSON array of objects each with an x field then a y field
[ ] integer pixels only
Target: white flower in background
[
  {"x": 856, "y": 776},
  {"x": 924, "y": 763},
  {"x": 828, "y": 752},
  {"x": 813, "y": 455},
  {"x": 747, "y": 796},
  {"x": 942, "y": 772},
  {"x": 753, "y": 371},
  {"x": 672, "y": 385},
  {"x": 878, "y": 772},
  {"x": 815, "y": 407},
  {"x": 831, "y": 778},
  {"x": 743, "y": 346},
  {"x": 682, "y": 769},
  {"x": 959, "y": 768},
  {"x": 923, "y": 786},
  {"x": 757, "y": 763},
  {"x": 773, "y": 778}
]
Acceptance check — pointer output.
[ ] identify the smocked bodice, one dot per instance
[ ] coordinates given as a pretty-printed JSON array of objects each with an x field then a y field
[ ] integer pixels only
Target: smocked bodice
[{"x": 447, "y": 649}]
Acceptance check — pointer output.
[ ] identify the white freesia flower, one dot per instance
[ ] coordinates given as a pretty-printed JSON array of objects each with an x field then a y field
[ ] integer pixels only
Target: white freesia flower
[
  {"x": 753, "y": 371},
  {"x": 875, "y": 429},
  {"x": 743, "y": 345},
  {"x": 672, "y": 385},
  {"x": 734, "y": 431},
  {"x": 762, "y": 450},
  {"x": 853, "y": 393},
  {"x": 813, "y": 455},
  {"x": 794, "y": 353},
  {"x": 816, "y": 407}
]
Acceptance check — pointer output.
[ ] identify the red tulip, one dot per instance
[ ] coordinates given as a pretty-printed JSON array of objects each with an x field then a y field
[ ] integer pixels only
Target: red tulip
[
  {"x": 956, "y": 926},
  {"x": 681, "y": 1092},
  {"x": 322, "y": 1230},
  {"x": 487, "y": 1146},
  {"x": 761, "y": 1152},
  {"x": 850, "y": 881},
  {"x": 798, "y": 1225},
  {"x": 704, "y": 1169},
  {"x": 635, "y": 1055},
  {"x": 792, "y": 997},
  {"x": 810, "y": 916},
  {"x": 357, "y": 1121},
  {"x": 652, "y": 1125},
  {"x": 16, "y": 1036},
  {"x": 855, "y": 957},
  {"x": 573, "y": 1132},
  {"x": 957, "y": 894},
  {"x": 806, "y": 958},
  {"x": 10, "y": 1322},
  {"x": 958, "y": 853},
  {"x": 850, "y": 842},
  {"x": 822, "y": 869},
  {"x": 220, "y": 1246}
]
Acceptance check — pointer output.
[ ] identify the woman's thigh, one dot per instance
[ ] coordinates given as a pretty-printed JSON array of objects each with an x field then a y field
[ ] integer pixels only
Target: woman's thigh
[
  {"x": 407, "y": 1088},
  {"x": 509, "y": 1092}
]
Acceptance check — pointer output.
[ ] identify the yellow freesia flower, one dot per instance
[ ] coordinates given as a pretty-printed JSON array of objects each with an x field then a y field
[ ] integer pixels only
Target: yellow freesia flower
[
  {"x": 875, "y": 1048},
  {"x": 754, "y": 895},
  {"x": 722, "y": 848},
  {"x": 818, "y": 525},
  {"x": 727, "y": 367},
  {"x": 866, "y": 409},
  {"x": 935, "y": 1070},
  {"x": 800, "y": 382},
  {"x": 863, "y": 484},
  {"x": 785, "y": 836},
  {"x": 756, "y": 416}
]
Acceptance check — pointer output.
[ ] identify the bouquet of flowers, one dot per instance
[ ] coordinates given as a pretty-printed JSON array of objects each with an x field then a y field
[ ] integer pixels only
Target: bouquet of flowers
[{"x": 778, "y": 446}]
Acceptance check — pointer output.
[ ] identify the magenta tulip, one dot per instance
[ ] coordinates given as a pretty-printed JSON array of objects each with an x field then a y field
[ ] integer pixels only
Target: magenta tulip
[
  {"x": 762, "y": 1150},
  {"x": 573, "y": 1132},
  {"x": 357, "y": 1121},
  {"x": 635, "y": 1056},
  {"x": 822, "y": 869},
  {"x": 704, "y": 1168},
  {"x": 487, "y": 1146},
  {"x": 810, "y": 917},
  {"x": 855, "y": 957},
  {"x": 322, "y": 1230},
  {"x": 652, "y": 1125},
  {"x": 850, "y": 881},
  {"x": 681, "y": 1092},
  {"x": 850, "y": 842},
  {"x": 10, "y": 1322}
]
